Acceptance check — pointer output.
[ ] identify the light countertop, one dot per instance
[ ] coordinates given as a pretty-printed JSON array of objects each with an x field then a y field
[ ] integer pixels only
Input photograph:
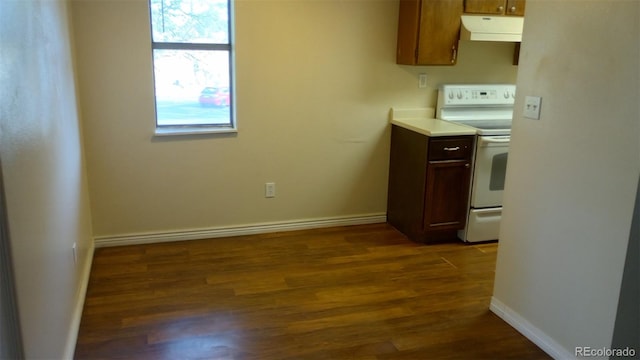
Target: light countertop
[{"x": 423, "y": 121}]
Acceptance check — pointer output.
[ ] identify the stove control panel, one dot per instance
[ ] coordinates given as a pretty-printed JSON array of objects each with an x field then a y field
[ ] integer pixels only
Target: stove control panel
[{"x": 476, "y": 95}]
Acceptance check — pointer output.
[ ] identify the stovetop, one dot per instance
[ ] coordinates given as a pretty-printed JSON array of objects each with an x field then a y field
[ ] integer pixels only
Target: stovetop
[
  {"x": 488, "y": 127},
  {"x": 488, "y": 108}
]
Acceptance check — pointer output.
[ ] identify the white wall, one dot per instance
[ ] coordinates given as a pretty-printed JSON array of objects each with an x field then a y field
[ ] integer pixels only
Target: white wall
[
  {"x": 315, "y": 81},
  {"x": 44, "y": 177},
  {"x": 572, "y": 175}
]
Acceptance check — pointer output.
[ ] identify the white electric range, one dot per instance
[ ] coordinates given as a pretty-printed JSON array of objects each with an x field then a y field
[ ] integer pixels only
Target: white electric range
[{"x": 488, "y": 108}]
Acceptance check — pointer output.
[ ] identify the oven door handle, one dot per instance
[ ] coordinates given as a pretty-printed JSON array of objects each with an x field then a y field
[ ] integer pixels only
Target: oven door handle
[
  {"x": 488, "y": 212},
  {"x": 494, "y": 140}
]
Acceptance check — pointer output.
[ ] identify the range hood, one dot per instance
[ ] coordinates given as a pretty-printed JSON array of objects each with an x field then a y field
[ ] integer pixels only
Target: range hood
[{"x": 491, "y": 28}]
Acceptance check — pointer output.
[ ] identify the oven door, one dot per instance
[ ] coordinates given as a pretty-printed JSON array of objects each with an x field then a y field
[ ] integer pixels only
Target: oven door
[{"x": 490, "y": 170}]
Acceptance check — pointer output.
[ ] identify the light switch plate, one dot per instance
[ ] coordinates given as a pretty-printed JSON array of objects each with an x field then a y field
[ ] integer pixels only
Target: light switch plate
[
  {"x": 532, "y": 107},
  {"x": 422, "y": 81}
]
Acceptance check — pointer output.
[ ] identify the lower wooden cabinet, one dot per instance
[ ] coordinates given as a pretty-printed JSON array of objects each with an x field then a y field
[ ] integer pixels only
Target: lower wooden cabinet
[{"x": 429, "y": 179}]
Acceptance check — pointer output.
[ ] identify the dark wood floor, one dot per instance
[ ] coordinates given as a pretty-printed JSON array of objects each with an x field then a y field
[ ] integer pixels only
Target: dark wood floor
[{"x": 360, "y": 292}]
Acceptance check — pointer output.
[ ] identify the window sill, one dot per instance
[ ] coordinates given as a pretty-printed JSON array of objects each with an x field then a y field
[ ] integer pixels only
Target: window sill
[{"x": 177, "y": 131}]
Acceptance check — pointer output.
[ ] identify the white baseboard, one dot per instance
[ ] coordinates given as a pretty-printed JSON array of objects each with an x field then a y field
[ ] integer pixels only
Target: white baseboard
[
  {"x": 72, "y": 337},
  {"x": 537, "y": 336},
  {"x": 215, "y": 232}
]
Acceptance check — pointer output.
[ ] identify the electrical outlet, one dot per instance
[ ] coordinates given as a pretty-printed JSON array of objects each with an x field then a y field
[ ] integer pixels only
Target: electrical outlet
[
  {"x": 75, "y": 253},
  {"x": 269, "y": 190},
  {"x": 532, "y": 107},
  {"x": 422, "y": 81}
]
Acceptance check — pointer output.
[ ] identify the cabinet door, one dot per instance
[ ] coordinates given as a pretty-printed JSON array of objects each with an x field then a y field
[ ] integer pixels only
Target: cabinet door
[
  {"x": 439, "y": 32},
  {"x": 408, "y": 27},
  {"x": 447, "y": 194},
  {"x": 495, "y": 7},
  {"x": 515, "y": 7}
]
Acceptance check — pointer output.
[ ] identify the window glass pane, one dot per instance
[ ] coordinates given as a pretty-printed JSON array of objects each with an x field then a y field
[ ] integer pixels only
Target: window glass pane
[
  {"x": 192, "y": 87},
  {"x": 190, "y": 21}
]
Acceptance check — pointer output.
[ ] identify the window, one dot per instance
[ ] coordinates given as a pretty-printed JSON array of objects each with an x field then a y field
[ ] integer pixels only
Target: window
[{"x": 193, "y": 65}]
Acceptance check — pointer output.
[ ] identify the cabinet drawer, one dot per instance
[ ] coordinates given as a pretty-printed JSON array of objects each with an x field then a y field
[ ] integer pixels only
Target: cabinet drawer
[{"x": 450, "y": 148}]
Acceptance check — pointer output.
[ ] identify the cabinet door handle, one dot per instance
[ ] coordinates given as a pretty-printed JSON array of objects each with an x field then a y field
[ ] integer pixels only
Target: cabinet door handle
[
  {"x": 452, "y": 149},
  {"x": 454, "y": 54},
  {"x": 513, "y": 9},
  {"x": 466, "y": 165},
  {"x": 500, "y": 9}
]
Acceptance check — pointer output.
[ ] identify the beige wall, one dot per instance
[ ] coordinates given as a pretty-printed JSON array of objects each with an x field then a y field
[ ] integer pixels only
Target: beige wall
[
  {"x": 315, "y": 81},
  {"x": 44, "y": 178},
  {"x": 572, "y": 175}
]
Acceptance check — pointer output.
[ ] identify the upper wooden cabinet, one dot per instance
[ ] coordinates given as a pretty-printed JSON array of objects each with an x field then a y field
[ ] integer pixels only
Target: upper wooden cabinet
[
  {"x": 428, "y": 32},
  {"x": 495, "y": 7}
]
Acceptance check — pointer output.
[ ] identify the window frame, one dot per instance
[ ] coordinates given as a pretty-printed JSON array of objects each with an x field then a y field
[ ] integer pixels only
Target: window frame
[{"x": 194, "y": 129}]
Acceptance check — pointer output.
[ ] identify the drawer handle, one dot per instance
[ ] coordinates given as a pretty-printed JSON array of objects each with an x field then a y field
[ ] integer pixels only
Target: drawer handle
[{"x": 452, "y": 149}]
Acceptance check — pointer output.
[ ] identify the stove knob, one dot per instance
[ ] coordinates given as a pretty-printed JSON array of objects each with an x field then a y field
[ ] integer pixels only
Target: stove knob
[
  {"x": 513, "y": 95},
  {"x": 459, "y": 95},
  {"x": 506, "y": 94},
  {"x": 450, "y": 95}
]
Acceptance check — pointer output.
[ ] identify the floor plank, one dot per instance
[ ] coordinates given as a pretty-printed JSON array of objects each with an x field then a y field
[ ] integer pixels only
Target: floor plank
[{"x": 358, "y": 292}]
